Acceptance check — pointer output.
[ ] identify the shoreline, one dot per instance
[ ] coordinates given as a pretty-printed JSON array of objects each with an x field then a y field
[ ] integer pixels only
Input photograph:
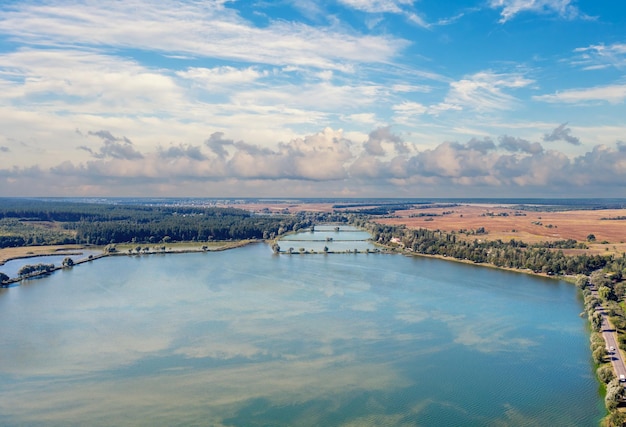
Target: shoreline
[
  {"x": 23, "y": 252},
  {"x": 197, "y": 247},
  {"x": 184, "y": 249}
]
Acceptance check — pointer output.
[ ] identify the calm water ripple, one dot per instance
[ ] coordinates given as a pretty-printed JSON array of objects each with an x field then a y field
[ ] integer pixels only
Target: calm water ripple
[{"x": 248, "y": 338}]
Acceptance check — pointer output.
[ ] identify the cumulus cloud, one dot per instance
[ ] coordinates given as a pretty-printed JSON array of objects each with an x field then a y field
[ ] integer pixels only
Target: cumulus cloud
[
  {"x": 327, "y": 163},
  {"x": 377, "y": 138},
  {"x": 217, "y": 144},
  {"x": 318, "y": 157},
  {"x": 511, "y": 143},
  {"x": 481, "y": 145},
  {"x": 457, "y": 162},
  {"x": 182, "y": 150},
  {"x": 562, "y": 133},
  {"x": 117, "y": 148}
]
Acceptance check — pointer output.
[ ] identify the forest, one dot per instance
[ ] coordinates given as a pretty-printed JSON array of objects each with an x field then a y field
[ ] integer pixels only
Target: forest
[{"x": 27, "y": 222}]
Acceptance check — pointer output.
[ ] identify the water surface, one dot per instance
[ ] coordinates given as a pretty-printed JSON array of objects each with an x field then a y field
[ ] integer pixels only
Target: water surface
[{"x": 247, "y": 338}]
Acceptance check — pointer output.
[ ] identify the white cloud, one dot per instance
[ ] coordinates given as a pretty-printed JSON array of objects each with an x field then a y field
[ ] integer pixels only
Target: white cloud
[
  {"x": 437, "y": 109},
  {"x": 365, "y": 118},
  {"x": 406, "y": 88},
  {"x": 199, "y": 29},
  {"x": 327, "y": 163},
  {"x": 601, "y": 56},
  {"x": 485, "y": 91},
  {"x": 612, "y": 94},
  {"x": 168, "y": 75},
  {"x": 511, "y": 8},
  {"x": 222, "y": 77},
  {"x": 321, "y": 96},
  {"x": 55, "y": 80},
  {"x": 377, "y": 6},
  {"x": 410, "y": 109},
  {"x": 418, "y": 20}
]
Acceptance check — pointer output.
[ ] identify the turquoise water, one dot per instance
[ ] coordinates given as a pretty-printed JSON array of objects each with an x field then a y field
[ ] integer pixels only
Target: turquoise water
[{"x": 247, "y": 338}]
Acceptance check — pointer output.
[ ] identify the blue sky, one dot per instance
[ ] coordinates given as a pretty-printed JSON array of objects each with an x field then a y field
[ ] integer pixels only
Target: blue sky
[{"x": 298, "y": 98}]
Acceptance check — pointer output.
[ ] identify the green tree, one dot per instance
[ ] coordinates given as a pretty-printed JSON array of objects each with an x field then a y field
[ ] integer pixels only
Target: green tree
[
  {"x": 598, "y": 278},
  {"x": 68, "y": 262},
  {"x": 596, "y": 321},
  {"x": 591, "y": 238},
  {"x": 582, "y": 281},
  {"x": 604, "y": 292},
  {"x": 599, "y": 354},
  {"x": 614, "y": 393},
  {"x": 605, "y": 373},
  {"x": 4, "y": 278}
]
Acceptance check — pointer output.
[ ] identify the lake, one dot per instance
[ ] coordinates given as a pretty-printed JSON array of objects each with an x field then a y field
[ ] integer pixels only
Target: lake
[{"x": 247, "y": 338}]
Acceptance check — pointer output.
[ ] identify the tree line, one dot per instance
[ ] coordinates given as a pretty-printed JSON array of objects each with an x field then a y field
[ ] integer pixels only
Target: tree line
[
  {"x": 25, "y": 222},
  {"x": 546, "y": 257}
]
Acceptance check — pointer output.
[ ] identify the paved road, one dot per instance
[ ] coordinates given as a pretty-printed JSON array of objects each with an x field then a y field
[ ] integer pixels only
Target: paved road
[{"x": 610, "y": 337}]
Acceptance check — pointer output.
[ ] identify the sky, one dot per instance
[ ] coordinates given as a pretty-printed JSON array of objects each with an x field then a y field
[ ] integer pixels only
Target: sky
[{"x": 303, "y": 98}]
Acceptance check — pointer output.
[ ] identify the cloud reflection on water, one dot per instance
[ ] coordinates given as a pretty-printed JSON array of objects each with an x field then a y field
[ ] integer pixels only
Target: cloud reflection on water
[{"x": 192, "y": 339}]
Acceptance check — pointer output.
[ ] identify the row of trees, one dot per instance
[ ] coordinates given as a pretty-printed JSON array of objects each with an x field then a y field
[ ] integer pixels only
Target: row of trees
[
  {"x": 545, "y": 257},
  {"x": 610, "y": 293}
]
